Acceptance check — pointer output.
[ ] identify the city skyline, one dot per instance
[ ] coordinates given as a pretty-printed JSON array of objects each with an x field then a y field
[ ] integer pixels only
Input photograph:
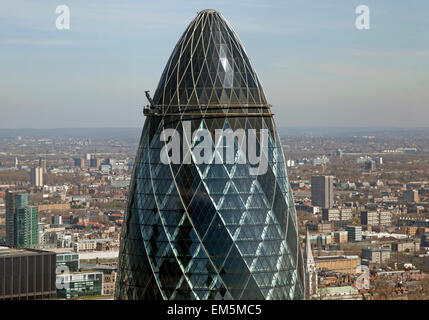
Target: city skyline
[
  {"x": 82, "y": 206},
  {"x": 142, "y": 157},
  {"x": 313, "y": 61}
]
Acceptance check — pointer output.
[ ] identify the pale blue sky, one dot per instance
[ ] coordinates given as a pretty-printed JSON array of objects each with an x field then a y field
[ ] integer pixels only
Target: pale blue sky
[{"x": 316, "y": 67}]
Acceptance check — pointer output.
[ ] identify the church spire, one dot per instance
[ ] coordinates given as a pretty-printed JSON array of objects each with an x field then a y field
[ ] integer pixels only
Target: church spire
[
  {"x": 308, "y": 252},
  {"x": 310, "y": 269}
]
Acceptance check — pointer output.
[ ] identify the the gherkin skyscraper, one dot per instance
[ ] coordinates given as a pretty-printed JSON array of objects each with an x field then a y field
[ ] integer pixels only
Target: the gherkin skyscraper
[{"x": 211, "y": 230}]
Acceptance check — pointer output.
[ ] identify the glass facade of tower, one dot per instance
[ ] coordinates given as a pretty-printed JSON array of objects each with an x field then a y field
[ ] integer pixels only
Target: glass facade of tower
[
  {"x": 211, "y": 230},
  {"x": 27, "y": 228},
  {"x": 15, "y": 200}
]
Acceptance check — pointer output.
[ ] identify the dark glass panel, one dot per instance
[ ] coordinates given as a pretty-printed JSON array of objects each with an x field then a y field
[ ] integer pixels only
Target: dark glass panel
[{"x": 217, "y": 242}]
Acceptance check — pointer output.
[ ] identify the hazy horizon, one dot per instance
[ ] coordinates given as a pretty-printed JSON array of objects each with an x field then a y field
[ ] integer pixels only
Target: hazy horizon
[
  {"x": 135, "y": 132},
  {"x": 291, "y": 126}
]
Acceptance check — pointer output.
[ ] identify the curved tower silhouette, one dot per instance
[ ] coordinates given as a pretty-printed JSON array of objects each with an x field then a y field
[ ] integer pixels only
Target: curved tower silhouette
[{"x": 211, "y": 230}]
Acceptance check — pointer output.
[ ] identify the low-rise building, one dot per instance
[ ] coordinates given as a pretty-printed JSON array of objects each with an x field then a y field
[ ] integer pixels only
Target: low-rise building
[
  {"x": 385, "y": 218},
  {"x": 369, "y": 218},
  {"x": 375, "y": 255},
  {"x": 376, "y": 218},
  {"x": 68, "y": 259},
  {"x": 332, "y": 214},
  {"x": 406, "y": 246},
  {"x": 337, "y": 214},
  {"x": 79, "y": 284},
  {"x": 424, "y": 240},
  {"x": 109, "y": 282},
  {"x": 321, "y": 240},
  {"x": 339, "y": 293},
  {"x": 411, "y": 231},
  {"x": 340, "y": 236},
  {"x": 101, "y": 244},
  {"x": 54, "y": 206},
  {"x": 324, "y": 227},
  {"x": 354, "y": 233},
  {"x": 411, "y": 196},
  {"x": 342, "y": 264},
  {"x": 84, "y": 245},
  {"x": 346, "y": 214},
  {"x": 26, "y": 274}
]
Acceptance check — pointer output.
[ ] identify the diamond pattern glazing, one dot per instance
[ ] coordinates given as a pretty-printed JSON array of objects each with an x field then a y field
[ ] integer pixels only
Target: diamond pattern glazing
[{"x": 209, "y": 231}]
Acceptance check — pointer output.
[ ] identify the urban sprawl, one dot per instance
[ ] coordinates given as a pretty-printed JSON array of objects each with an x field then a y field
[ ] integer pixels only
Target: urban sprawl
[{"x": 361, "y": 201}]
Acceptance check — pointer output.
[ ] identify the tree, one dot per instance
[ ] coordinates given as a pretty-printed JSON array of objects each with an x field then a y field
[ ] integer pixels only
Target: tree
[{"x": 356, "y": 220}]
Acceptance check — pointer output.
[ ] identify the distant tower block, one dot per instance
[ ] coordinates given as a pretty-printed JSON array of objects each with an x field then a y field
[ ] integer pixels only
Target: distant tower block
[
  {"x": 42, "y": 164},
  {"x": 322, "y": 191},
  {"x": 36, "y": 176}
]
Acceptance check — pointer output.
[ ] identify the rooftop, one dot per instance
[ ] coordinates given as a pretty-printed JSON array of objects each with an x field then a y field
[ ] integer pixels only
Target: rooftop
[
  {"x": 339, "y": 290},
  {"x": 377, "y": 248},
  {"x": 7, "y": 251},
  {"x": 336, "y": 257},
  {"x": 208, "y": 11}
]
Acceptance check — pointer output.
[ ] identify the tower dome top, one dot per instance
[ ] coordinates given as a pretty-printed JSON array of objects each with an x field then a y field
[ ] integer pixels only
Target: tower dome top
[
  {"x": 208, "y": 11},
  {"x": 209, "y": 66}
]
